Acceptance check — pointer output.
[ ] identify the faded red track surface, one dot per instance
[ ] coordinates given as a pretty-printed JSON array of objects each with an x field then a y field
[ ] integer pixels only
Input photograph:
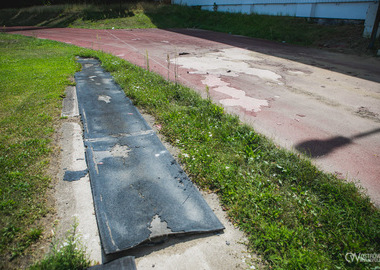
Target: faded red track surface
[{"x": 327, "y": 103}]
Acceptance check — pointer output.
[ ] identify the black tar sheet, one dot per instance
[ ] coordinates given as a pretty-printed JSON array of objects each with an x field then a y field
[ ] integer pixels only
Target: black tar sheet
[{"x": 139, "y": 190}]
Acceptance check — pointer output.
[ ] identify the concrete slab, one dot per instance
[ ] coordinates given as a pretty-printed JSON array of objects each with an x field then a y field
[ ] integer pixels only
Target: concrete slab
[
  {"x": 70, "y": 103},
  {"x": 296, "y": 96},
  {"x": 140, "y": 192},
  {"x": 73, "y": 196}
]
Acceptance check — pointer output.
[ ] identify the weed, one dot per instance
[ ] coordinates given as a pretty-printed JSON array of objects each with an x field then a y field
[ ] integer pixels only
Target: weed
[
  {"x": 175, "y": 67},
  {"x": 208, "y": 93},
  {"x": 168, "y": 61},
  {"x": 67, "y": 253},
  {"x": 147, "y": 60},
  {"x": 215, "y": 7}
]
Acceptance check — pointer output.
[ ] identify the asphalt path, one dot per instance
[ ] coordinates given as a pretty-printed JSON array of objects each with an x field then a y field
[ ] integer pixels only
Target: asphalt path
[{"x": 324, "y": 103}]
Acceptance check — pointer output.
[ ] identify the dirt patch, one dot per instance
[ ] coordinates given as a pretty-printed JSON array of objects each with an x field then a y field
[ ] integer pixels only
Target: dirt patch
[
  {"x": 367, "y": 113},
  {"x": 351, "y": 41}
]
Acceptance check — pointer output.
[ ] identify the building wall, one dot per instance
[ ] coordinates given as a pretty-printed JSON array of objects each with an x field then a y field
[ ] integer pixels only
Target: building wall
[{"x": 333, "y": 9}]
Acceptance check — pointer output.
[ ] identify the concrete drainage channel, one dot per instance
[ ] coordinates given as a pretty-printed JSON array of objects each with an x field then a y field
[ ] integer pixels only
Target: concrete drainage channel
[{"x": 148, "y": 212}]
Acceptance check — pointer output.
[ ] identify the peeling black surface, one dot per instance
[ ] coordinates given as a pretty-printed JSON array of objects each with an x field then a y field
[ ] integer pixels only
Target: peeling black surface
[
  {"x": 129, "y": 191},
  {"x": 74, "y": 175}
]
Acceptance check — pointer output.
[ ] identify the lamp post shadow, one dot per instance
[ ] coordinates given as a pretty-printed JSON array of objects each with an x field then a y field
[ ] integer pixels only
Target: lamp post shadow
[{"x": 318, "y": 148}]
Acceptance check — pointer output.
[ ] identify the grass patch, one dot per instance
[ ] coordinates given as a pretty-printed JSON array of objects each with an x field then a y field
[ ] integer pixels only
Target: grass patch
[
  {"x": 149, "y": 15},
  {"x": 80, "y": 16},
  {"x": 33, "y": 76},
  {"x": 295, "y": 216}
]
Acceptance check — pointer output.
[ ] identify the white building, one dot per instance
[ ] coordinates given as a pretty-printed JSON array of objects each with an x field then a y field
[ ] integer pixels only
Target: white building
[{"x": 328, "y": 9}]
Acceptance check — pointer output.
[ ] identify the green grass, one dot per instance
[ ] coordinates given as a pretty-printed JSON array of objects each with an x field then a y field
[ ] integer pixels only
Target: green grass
[
  {"x": 295, "y": 216},
  {"x": 147, "y": 15},
  {"x": 33, "y": 76},
  {"x": 81, "y": 16}
]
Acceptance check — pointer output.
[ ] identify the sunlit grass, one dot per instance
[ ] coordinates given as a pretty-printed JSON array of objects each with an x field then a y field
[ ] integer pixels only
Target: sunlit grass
[{"x": 33, "y": 75}]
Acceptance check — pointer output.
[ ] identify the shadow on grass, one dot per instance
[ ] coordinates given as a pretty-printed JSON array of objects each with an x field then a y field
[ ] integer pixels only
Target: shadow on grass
[{"x": 59, "y": 17}]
